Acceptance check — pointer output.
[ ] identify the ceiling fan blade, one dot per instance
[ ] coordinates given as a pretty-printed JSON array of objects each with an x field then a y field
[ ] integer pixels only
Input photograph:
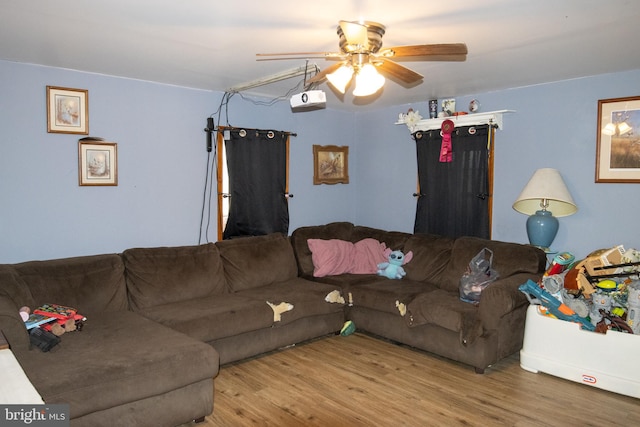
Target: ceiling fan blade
[
  {"x": 297, "y": 54},
  {"x": 289, "y": 58},
  {"x": 428, "y": 50},
  {"x": 322, "y": 74},
  {"x": 356, "y": 34},
  {"x": 398, "y": 71}
]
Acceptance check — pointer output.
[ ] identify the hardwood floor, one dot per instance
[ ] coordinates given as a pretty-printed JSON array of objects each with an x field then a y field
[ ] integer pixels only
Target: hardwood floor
[{"x": 364, "y": 381}]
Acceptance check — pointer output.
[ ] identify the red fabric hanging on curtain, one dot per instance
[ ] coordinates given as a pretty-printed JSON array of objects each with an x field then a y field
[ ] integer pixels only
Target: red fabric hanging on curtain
[{"x": 445, "y": 149}]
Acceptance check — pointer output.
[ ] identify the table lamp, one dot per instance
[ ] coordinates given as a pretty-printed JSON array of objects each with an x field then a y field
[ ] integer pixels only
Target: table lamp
[{"x": 544, "y": 198}]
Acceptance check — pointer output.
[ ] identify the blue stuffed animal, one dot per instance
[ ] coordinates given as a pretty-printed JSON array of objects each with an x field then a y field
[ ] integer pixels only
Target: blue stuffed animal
[{"x": 393, "y": 269}]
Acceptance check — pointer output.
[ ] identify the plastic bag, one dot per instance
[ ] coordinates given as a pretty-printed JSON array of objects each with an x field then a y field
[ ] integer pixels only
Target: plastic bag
[{"x": 478, "y": 276}]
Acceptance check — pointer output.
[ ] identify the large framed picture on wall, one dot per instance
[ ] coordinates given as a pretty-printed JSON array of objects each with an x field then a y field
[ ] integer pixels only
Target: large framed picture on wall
[{"x": 618, "y": 140}]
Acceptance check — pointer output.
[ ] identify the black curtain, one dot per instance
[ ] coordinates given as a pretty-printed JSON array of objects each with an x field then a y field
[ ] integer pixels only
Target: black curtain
[
  {"x": 453, "y": 199},
  {"x": 257, "y": 168}
]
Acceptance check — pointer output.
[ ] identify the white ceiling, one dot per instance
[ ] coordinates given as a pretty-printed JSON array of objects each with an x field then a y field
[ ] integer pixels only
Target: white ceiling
[{"x": 212, "y": 44}]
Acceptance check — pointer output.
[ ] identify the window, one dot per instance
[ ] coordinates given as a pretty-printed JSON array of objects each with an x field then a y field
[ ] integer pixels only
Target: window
[
  {"x": 252, "y": 182},
  {"x": 455, "y": 198}
]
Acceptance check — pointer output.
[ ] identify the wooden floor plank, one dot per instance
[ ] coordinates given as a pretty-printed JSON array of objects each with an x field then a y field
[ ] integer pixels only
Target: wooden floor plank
[{"x": 360, "y": 380}]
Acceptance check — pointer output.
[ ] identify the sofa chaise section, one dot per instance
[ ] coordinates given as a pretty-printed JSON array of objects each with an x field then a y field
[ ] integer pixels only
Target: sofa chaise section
[
  {"x": 119, "y": 360},
  {"x": 121, "y": 367}
]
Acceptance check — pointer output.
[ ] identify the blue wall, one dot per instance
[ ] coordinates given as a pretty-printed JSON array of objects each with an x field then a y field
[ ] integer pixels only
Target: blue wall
[
  {"x": 554, "y": 125},
  {"x": 161, "y": 165},
  {"x": 162, "y": 161}
]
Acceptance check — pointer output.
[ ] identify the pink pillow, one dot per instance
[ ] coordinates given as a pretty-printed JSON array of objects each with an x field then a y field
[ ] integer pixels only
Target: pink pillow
[
  {"x": 333, "y": 257},
  {"x": 368, "y": 254}
]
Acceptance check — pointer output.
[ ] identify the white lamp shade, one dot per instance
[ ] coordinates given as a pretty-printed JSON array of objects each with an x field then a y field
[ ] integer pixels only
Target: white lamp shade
[
  {"x": 368, "y": 81},
  {"x": 341, "y": 78},
  {"x": 546, "y": 185}
]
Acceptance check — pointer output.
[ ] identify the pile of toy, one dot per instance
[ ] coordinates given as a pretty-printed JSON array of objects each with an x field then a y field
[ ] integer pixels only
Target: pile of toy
[
  {"x": 600, "y": 292},
  {"x": 48, "y": 322}
]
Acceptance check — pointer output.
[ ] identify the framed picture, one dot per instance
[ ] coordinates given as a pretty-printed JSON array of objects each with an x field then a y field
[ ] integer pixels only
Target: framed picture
[
  {"x": 67, "y": 110},
  {"x": 330, "y": 164},
  {"x": 618, "y": 147},
  {"x": 97, "y": 162}
]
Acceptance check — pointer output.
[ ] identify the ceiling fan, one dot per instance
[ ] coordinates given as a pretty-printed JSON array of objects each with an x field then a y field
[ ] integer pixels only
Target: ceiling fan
[{"x": 361, "y": 54}]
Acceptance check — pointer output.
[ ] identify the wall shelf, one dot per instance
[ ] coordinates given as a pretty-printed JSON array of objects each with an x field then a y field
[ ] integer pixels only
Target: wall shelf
[{"x": 491, "y": 117}]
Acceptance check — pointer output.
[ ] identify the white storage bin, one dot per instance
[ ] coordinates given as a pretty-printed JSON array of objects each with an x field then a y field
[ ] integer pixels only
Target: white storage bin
[{"x": 608, "y": 361}]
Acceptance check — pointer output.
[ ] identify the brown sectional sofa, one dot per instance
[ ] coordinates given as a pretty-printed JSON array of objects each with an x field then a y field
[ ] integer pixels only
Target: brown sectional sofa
[
  {"x": 424, "y": 309},
  {"x": 162, "y": 320}
]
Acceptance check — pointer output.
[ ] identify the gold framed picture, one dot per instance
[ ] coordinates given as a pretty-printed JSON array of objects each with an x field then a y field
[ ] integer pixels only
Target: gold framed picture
[
  {"x": 67, "y": 110},
  {"x": 330, "y": 164},
  {"x": 97, "y": 162},
  {"x": 618, "y": 140}
]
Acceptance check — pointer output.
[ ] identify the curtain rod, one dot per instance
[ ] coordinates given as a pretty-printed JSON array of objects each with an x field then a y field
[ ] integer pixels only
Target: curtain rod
[{"x": 223, "y": 128}]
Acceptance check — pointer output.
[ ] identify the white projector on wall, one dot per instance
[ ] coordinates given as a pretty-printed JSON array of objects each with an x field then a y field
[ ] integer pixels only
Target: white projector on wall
[{"x": 310, "y": 98}]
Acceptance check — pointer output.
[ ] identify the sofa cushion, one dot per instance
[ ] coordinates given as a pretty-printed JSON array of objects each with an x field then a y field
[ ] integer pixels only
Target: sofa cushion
[
  {"x": 299, "y": 237},
  {"x": 343, "y": 281},
  {"x": 91, "y": 284},
  {"x": 307, "y": 298},
  {"x": 12, "y": 325},
  {"x": 157, "y": 276},
  {"x": 431, "y": 254},
  {"x": 334, "y": 256},
  {"x": 12, "y": 286},
  {"x": 445, "y": 309},
  {"x": 116, "y": 359},
  {"x": 508, "y": 259},
  {"x": 213, "y": 317},
  {"x": 251, "y": 262},
  {"x": 14, "y": 294},
  {"x": 382, "y": 294},
  {"x": 394, "y": 240}
]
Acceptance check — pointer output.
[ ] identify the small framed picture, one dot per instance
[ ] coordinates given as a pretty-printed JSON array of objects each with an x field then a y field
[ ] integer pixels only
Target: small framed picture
[
  {"x": 330, "y": 164},
  {"x": 97, "y": 162},
  {"x": 618, "y": 140},
  {"x": 449, "y": 106},
  {"x": 67, "y": 110}
]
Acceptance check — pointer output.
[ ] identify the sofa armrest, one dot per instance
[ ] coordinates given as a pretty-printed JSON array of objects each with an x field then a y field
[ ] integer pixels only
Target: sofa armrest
[
  {"x": 502, "y": 297},
  {"x": 12, "y": 325}
]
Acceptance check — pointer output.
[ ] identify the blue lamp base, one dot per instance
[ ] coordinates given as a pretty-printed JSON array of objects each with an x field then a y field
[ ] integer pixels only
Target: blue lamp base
[{"x": 542, "y": 228}]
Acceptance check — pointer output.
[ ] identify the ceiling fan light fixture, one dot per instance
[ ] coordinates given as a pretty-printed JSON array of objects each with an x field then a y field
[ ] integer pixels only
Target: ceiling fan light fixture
[
  {"x": 340, "y": 78},
  {"x": 355, "y": 33},
  {"x": 368, "y": 81}
]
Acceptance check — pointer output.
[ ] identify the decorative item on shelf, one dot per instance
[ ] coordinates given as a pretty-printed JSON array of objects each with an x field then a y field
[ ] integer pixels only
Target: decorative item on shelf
[
  {"x": 412, "y": 118},
  {"x": 474, "y": 106},
  {"x": 491, "y": 118},
  {"x": 544, "y": 196},
  {"x": 433, "y": 108},
  {"x": 449, "y": 107}
]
